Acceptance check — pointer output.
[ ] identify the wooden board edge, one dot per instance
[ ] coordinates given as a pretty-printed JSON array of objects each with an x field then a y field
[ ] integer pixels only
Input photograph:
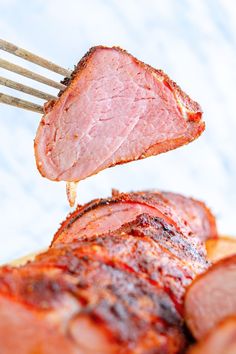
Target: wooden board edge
[{"x": 23, "y": 260}]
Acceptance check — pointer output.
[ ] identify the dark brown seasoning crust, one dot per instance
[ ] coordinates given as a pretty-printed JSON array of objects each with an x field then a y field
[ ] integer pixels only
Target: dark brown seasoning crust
[
  {"x": 48, "y": 106},
  {"x": 80, "y": 211},
  {"x": 129, "y": 282},
  {"x": 91, "y": 272},
  {"x": 149, "y": 248},
  {"x": 140, "y": 197},
  {"x": 167, "y": 236},
  {"x": 39, "y": 289},
  {"x": 80, "y": 66},
  {"x": 127, "y": 306},
  {"x": 149, "y": 198},
  {"x": 185, "y": 99}
]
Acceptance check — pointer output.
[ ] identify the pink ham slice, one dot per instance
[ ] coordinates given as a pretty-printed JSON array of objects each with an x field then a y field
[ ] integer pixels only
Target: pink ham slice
[
  {"x": 211, "y": 297},
  {"x": 221, "y": 340},
  {"x": 188, "y": 215},
  {"x": 115, "y": 109},
  {"x": 27, "y": 332},
  {"x": 195, "y": 213}
]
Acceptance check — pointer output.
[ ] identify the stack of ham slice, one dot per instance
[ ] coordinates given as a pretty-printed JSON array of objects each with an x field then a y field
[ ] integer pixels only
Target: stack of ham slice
[{"x": 108, "y": 289}]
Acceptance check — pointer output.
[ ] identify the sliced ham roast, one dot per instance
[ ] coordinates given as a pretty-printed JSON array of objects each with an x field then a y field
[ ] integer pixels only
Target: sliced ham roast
[
  {"x": 221, "y": 339},
  {"x": 85, "y": 308},
  {"x": 120, "y": 292},
  {"x": 188, "y": 215},
  {"x": 153, "y": 249},
  {"x": 115, "y": 109},
  {"x": 211, "y": 297}
]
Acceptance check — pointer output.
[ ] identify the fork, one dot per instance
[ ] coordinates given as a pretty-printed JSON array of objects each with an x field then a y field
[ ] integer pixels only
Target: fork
[{"x": 22, "y": 53}]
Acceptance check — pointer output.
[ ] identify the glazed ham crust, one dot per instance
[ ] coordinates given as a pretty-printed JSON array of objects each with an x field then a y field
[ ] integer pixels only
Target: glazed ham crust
[
  {"x": 211, "y": 297},
  {"x": 124, "y": 288},
  {"x": 189, "y": 216},
  {"x": 152, "y": 249},
  {"x": 118, "y": 107},
  {"x": 116, "y": 272}
]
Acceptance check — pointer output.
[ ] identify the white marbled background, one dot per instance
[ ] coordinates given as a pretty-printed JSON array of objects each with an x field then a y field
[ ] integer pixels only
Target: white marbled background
[{"x": 194, "y": 41}]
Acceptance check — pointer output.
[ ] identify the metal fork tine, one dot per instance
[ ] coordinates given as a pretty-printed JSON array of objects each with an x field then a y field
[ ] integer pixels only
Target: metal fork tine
[
  {"x": 14, "y": 101},
  {"x": 26, "y": 89},
  {"x": 25, "y": 54},
  {"x": 30, "y": 74},
  {"x": 22, "y": 53}
]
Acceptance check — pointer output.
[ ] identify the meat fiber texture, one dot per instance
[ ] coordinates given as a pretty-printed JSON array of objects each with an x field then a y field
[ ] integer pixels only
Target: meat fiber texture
[
  {"x": 115, "y": 109},
  {"x": 189, "y": 216},
  {"x": 221, "y": 339},
  {"x": 120, "y": 292},
  {"x": 211, "y": 297}
]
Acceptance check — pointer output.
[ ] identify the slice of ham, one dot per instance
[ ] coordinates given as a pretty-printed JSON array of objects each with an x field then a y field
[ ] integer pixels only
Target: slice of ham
[
  {"x": 195, "y": 213},
  {"x": 93, "y": 304},
  {"x": 211, "y": 297},
  {"x": 115, "y": 109},
  {"x": 221, "y": 247},
  {"x": 188, "y": 215},
  {"x": 44, "y": 317},
  {"x": 221, "y": 340},
  {"x": 149, "y": 248}
]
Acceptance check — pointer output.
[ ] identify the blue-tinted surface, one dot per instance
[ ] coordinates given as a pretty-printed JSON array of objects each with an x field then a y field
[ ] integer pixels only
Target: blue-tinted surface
[{"x": 194, "y": 41}]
